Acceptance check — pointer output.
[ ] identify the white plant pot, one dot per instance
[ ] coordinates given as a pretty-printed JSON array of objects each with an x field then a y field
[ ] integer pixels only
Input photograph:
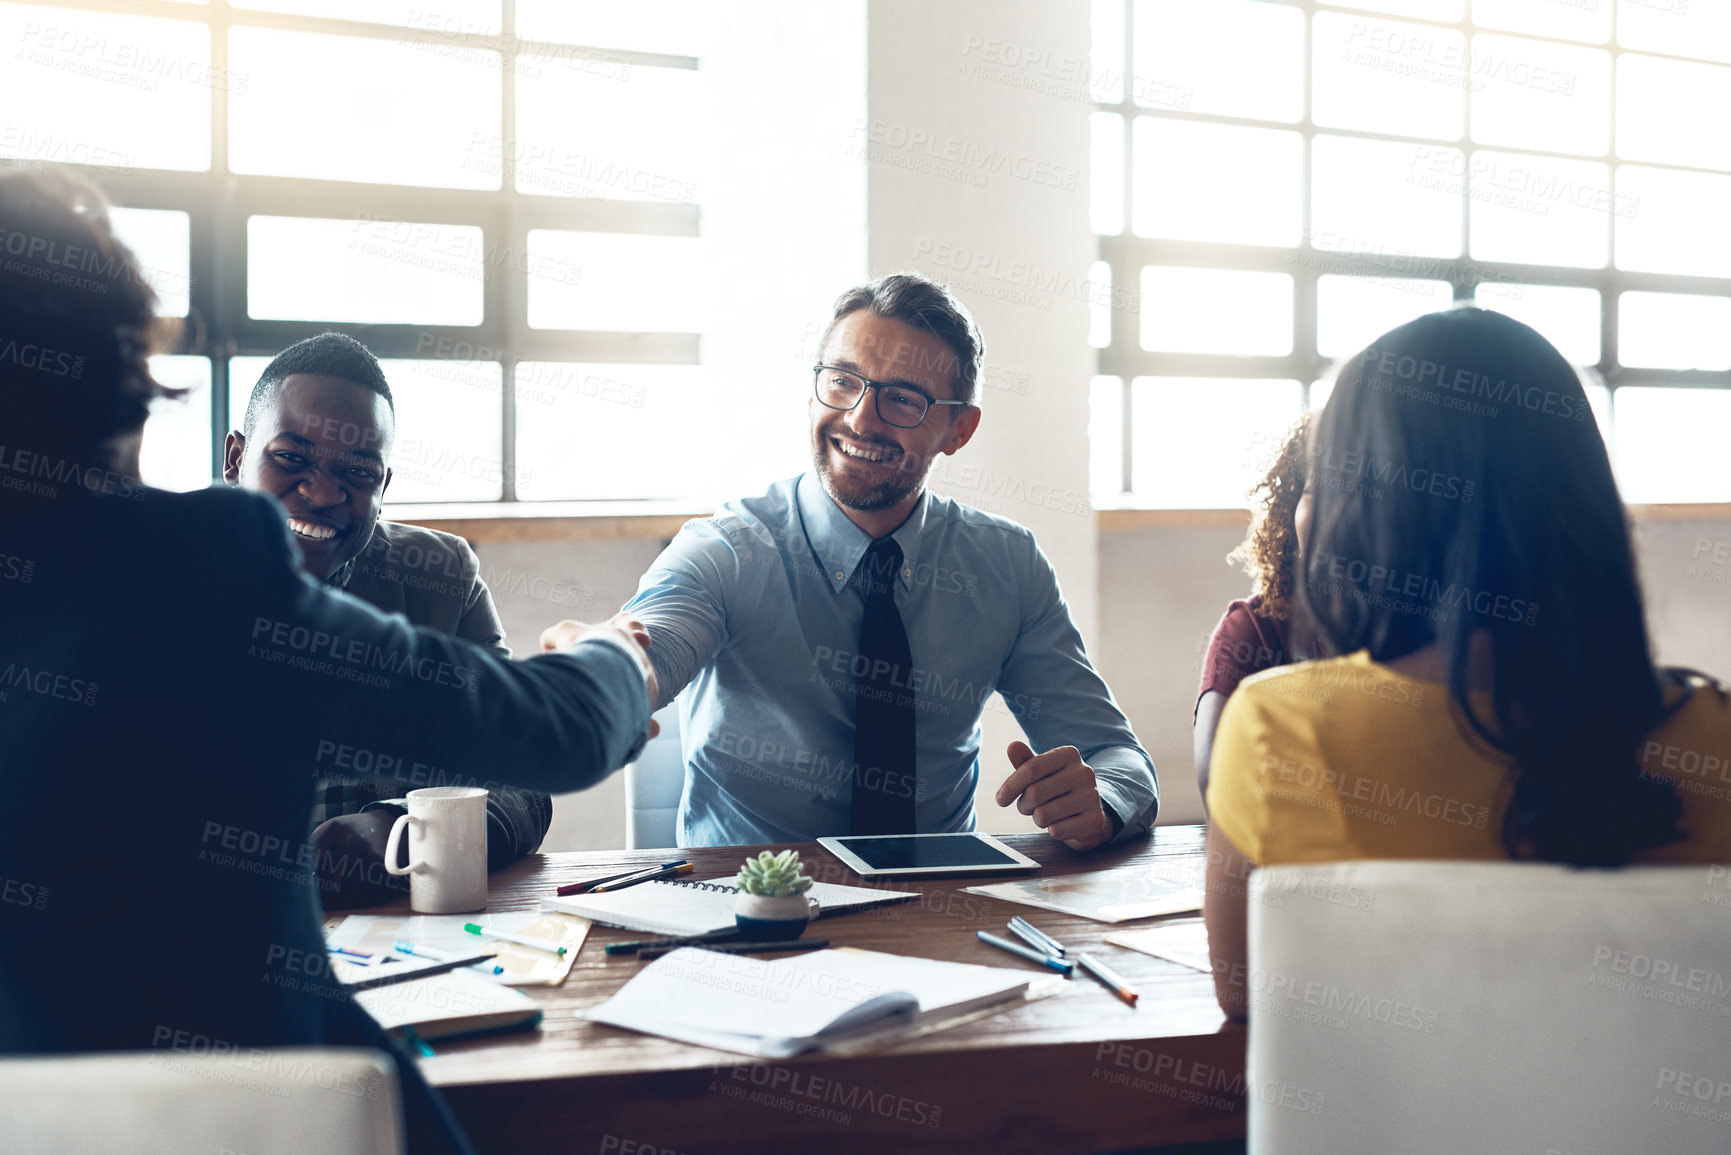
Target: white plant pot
[{"x": 774, "y": 915}]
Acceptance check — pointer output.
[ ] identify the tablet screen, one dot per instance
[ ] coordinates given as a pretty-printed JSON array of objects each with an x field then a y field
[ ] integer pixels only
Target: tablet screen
[{"x": 957, "y": 850}]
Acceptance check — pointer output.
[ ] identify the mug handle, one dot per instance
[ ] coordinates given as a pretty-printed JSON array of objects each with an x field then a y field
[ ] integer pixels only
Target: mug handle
[
  {"x": 816, "y": 908},
  {"x": 396, "y": 836}
]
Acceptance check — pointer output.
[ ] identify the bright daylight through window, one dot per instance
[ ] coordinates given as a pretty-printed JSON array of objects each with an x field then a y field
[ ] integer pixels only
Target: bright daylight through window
[
  {"x": 1273, "y": 185},
  {"x": 537, "y": 294},
  {"x": 1285, "y": 181}
]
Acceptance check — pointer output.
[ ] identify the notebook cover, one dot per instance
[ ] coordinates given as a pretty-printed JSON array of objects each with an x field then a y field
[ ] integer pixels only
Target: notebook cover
[{"x": 453, "y": 1003}]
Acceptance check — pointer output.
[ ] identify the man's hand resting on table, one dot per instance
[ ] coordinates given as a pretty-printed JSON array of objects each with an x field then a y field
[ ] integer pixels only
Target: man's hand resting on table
[
  {"x": 351, "y": 859},
  {"x": 1058, "y": 789},
  {"x": 624, "y": 626}
]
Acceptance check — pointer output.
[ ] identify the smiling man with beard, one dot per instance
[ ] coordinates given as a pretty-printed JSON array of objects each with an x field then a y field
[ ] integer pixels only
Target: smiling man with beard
[
  {"x": 317, "y": 436},
  {"x": 841, "y": 634}
]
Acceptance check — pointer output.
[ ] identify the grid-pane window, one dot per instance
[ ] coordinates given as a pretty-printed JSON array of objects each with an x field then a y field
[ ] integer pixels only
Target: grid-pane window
[
  {"x": 382, "y": 111},
  {"x": 500, "y": 200},
  {"x": 1278, "y": 182}
]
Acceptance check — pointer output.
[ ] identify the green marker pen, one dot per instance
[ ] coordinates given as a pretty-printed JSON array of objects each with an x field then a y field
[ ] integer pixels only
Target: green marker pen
[{"x": 520, "y": 940}]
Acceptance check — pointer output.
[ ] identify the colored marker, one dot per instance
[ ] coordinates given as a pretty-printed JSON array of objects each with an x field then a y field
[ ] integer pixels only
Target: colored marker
[
  {"x": 361, "y": 958},
  {"x": 1100, "y": 971},
  {"x": 645, "y": 876},
  {"x": 723, "y": 935},
  {"x": 420, "y": 951},
  {"x": 589, "y": 884},
  {"x": 1035, "y": 937},
  {"x": 452, "y": 961},
  {"x": 520, "y": 940},
  {"x": 785, "y": 944},
  {"x": 1055, "y": 964},
  {"x": 419, "y": 1044}
]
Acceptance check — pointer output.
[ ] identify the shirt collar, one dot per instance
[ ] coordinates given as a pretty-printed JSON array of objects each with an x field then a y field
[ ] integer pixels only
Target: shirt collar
[
  {"x": 838, "y": 544},
  {"x": 339, "y": 579}
]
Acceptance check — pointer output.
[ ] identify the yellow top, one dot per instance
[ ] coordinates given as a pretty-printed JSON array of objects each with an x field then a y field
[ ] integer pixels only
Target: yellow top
[{"x": 1345, "y": 758}]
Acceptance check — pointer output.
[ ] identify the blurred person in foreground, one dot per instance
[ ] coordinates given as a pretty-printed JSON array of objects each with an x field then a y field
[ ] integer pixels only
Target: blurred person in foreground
[
  {"x": 317, "y": 435},
  {"x": 156, "y": 647},
  {"x": 1495, "y": 697}
]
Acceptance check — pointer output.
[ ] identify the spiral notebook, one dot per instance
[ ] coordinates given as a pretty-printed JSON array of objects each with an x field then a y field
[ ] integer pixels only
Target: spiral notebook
[{"x": 686, "y": 908}]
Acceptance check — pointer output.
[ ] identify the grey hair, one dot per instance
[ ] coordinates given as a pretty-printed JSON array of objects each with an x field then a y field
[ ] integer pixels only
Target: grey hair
[{"x": 924, "y": 304}]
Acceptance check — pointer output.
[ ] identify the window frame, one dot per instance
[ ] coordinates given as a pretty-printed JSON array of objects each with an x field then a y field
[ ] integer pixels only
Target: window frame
[
  {"x": 1127, "y": 254},
  {"x": 219, "y": 202}
]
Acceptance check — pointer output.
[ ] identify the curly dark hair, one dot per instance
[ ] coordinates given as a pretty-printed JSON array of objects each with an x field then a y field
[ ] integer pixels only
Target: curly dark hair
[
  {"x": 77, "y": 322},
  {"x": 1269, "y": 552}
]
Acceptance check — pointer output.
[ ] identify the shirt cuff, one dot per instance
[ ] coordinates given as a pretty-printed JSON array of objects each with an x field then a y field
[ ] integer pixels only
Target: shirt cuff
[
  {"x": 620, "y": 644},
  {"x": 1112, "y": 816},
  {"x": 1122, "y": 780}
]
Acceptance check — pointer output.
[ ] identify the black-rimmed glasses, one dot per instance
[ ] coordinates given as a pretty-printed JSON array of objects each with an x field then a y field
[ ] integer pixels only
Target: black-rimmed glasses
[{"x": 898, "y": 405}]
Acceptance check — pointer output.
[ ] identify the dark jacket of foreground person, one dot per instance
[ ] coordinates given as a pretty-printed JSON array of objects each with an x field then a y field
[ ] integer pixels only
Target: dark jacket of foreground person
[{"x": 131, "y": 683}]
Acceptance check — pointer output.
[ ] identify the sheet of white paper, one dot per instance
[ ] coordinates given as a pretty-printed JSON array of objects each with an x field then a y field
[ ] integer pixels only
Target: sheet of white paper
[
  {"x": 1185, "y": 943},
  {"x": 1108, "y": 895}
]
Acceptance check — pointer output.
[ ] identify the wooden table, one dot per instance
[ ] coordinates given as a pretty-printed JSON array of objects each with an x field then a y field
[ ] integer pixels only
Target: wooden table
[{"x": 1077, "y": 1072}]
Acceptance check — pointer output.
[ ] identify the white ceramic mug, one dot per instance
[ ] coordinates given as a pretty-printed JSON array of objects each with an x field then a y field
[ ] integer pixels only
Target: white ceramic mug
[{"x": 447, "y": 868}]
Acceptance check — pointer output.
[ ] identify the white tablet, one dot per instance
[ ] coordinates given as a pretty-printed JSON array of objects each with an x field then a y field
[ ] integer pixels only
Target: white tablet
[{"x": 901, "y": 855}]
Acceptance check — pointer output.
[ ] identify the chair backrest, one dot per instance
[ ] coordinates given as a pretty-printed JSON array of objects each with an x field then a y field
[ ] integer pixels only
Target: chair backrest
[
  {"x": 256, "y": 1100},
  {"x": 653, "y": 785},
  {"x": 1451, "y": 1007}
]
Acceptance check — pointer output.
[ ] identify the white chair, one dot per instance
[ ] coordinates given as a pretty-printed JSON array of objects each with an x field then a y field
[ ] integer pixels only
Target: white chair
[
  {"x": 257, "y": 1100},
  {"x": 653, "y": 785},
  {"x": 1450, "y": 1007}
]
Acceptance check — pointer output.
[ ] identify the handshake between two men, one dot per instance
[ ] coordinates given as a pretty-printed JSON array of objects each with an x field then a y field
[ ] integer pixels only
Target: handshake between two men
[
  {"x": 837, "y": 637},
  {"x": 1057, "y": 789}
]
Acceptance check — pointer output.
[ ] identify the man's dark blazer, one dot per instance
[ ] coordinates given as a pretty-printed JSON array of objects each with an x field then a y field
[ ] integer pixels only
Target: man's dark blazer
[{"x": 166, "y": 649}]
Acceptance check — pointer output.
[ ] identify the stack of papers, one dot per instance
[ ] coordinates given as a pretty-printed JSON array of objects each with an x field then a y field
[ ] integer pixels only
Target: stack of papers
[{"x": 813, "y": 1001}]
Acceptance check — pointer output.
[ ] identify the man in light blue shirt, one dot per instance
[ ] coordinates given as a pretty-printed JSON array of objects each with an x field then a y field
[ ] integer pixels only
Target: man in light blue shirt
[{"x": 851, "y": 593}]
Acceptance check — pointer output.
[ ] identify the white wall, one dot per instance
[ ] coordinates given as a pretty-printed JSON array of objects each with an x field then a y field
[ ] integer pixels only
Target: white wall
[{"x": 784, "y": 221}]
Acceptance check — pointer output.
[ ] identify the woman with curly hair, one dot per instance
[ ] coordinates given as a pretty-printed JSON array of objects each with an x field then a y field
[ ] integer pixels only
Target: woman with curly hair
[{"x": 1255, "y": 633}]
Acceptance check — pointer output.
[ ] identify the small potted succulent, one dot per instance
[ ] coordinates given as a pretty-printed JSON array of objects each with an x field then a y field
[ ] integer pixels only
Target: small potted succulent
[{"x": 772, "y": 902}]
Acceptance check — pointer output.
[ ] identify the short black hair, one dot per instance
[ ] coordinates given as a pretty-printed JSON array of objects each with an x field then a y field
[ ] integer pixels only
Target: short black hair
[
  {"x": 924, "y": 304},
  {"x": 329, "y": 354}
]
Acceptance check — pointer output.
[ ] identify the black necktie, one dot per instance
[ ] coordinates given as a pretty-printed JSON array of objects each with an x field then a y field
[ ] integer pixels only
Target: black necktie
[{"x": 883, "y": 776}]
